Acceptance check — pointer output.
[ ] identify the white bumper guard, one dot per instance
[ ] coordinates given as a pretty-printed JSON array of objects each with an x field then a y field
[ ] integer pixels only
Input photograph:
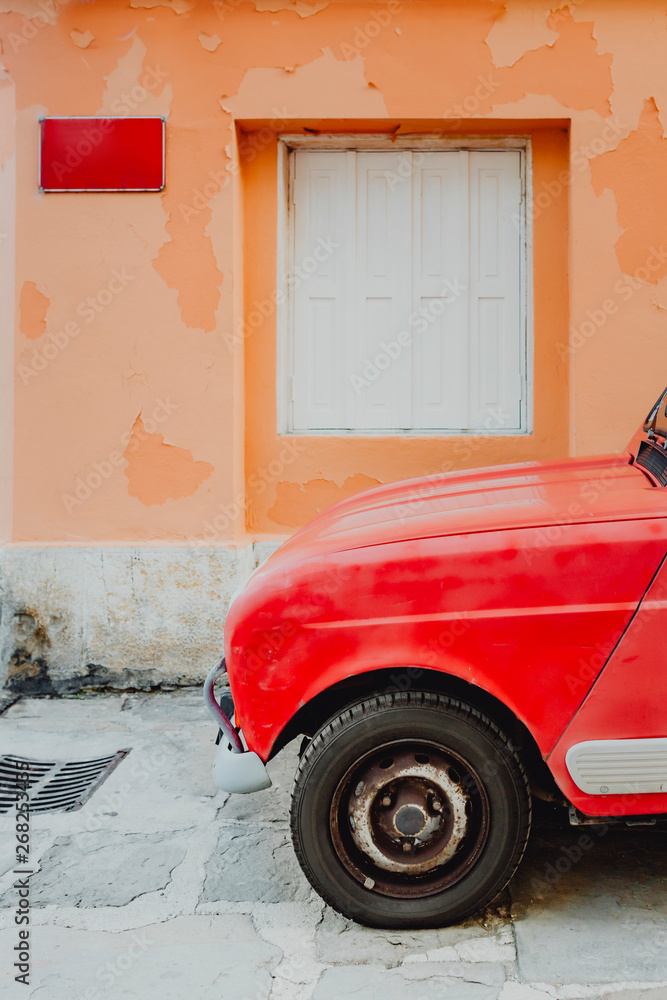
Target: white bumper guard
[{"x": 235, "y": 769}]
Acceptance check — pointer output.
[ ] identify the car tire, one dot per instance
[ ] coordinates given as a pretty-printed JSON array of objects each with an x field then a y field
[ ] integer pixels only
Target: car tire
[{"x": 410, "y": 810}]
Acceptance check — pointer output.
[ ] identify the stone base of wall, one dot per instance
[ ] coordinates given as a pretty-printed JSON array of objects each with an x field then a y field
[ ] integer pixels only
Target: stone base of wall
[{"x": 120, "y": 617}]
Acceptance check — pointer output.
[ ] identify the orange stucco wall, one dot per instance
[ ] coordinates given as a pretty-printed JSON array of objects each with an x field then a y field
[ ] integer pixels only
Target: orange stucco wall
[{"x": 146, "y": 418}]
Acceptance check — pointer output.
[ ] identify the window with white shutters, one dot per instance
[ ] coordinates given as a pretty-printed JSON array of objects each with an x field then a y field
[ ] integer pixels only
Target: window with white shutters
[{"x": 406, "y": 292}]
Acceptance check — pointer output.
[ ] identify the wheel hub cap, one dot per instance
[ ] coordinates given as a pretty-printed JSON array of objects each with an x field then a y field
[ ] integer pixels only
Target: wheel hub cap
[
  {"x": 408, "y": 812},
  {"x": 410, "y": 820}
]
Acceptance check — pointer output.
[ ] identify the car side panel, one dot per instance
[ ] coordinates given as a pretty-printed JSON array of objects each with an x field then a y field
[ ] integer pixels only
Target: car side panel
[{"x": 628, "y": 701}]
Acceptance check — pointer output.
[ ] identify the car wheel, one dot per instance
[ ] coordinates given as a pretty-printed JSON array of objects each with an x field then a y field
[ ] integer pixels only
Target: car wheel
[{"x": 410, "y": 810}]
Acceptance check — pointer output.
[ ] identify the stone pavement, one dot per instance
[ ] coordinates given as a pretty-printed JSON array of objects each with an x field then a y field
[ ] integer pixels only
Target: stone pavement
[{"x": 163, "y": 888}]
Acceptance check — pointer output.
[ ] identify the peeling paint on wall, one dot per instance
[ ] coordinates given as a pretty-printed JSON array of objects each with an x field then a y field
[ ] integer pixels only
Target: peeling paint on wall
[
  {"x": 197, "y": 286},
  {"x": 197, "y": 135},
  {"x": 81, "y": 38},
  {"x": 7, "y": 135},
  {"x": 303, "y": 8},
  {"x": 298, "y": 503},
  {"x": 209, "y": 42},
  {"x": 158, "y": 472},
  {"x": 30, "y": 47},
  {"x": 178, "y": 6},
  {"x": 570, "y": 69},
  {"x": 33, "y": 307},
  {"x": 635, "y": 171},
  {"x": 324, "y": 87},
  {"x": 518, "y": 29}
]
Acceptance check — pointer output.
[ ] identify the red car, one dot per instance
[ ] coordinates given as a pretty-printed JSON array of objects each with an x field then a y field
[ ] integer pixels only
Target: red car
[{"x": 451, "y": 647}]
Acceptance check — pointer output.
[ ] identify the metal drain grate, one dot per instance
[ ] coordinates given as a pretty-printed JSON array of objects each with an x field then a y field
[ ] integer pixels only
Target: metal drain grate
[{"x": 53, "y": 785}]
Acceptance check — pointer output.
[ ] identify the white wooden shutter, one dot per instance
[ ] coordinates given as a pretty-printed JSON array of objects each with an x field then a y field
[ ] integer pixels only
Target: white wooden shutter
[
  {"x": 427, "y": 244},
  {"x": 496, "y": 335},
  {"x": 384, "y": 266},
  {"x": 440, "y": 290},
  {"x": 322, "y": 300}
]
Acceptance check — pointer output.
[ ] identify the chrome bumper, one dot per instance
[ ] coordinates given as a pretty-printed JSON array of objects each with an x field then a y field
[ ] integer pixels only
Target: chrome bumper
[{"x": 235, "y": 769}]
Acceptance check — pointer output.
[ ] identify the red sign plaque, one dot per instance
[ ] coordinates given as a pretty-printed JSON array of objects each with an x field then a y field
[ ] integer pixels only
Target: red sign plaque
[{"x": 102, "y": 154}]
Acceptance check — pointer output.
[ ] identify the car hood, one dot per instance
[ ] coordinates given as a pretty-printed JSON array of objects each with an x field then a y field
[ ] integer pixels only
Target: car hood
[{"x": 531, "y": 494}]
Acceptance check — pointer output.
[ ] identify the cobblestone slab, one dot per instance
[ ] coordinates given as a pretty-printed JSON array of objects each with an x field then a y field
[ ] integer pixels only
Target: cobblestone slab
[
  {"x": 590, "y": 905},
  {"x": 428, "y": 982},
  {"x": 105, "y": 869},
  {"x": 254, "y": 865},
  {"x": 203, "y": 958}
]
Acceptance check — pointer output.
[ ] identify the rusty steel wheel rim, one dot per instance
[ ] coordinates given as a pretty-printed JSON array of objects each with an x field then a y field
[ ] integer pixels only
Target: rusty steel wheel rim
[{"x": 409, "y": 819}]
